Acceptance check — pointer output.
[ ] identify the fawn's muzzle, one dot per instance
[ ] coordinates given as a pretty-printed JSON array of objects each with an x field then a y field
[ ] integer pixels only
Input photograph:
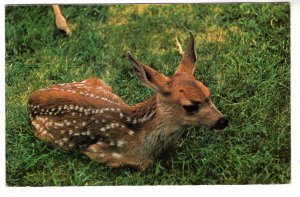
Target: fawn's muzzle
[{"x": 221, "y": 124}]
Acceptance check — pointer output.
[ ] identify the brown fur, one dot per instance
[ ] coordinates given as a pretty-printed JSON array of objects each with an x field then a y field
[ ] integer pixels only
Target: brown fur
[{"x": 88, "y": 116}]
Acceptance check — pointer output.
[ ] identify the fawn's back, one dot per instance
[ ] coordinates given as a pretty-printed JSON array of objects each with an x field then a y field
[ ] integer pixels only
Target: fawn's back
[{"x": 88, "y": 116}]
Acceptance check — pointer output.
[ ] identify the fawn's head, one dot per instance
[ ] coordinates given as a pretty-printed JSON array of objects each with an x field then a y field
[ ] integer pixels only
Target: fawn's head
[{"x": 181, "y": 94}]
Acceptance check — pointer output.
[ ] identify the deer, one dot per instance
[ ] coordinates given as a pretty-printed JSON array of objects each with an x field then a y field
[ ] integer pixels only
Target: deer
[{"x": 87, "y": 116}]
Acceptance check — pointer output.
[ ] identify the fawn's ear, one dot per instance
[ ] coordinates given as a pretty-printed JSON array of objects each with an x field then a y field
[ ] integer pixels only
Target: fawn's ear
[
  {"x": 187, "y": 63},
  {"x": 149, "y": 77}
]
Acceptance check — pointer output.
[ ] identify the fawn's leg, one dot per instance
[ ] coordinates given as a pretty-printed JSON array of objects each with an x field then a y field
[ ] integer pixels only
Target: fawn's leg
[
  {"x": 97, "y": 152},
  {"x": 60, "y": 21}
]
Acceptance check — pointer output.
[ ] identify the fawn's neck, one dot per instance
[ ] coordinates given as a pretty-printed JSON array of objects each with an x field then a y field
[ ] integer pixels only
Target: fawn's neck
[{"x": 161, "y": 130}]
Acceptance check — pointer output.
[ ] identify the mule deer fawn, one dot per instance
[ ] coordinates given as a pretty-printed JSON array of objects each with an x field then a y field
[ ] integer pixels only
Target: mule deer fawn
[{"x": 88, "y": 116}]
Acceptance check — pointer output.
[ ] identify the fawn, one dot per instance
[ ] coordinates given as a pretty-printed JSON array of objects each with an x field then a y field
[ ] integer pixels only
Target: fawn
[{"x": 86, "y": 115}]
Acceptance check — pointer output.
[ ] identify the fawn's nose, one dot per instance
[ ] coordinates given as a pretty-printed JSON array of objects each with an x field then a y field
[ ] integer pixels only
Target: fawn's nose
[{"x": 221, "y": 123}]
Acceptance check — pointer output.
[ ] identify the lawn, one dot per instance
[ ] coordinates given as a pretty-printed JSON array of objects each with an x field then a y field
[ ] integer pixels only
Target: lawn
[{"x": 243, "y": 53}]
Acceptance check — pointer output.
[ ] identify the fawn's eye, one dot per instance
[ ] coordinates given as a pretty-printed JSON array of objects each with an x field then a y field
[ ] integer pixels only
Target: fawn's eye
[{"x": 191, "y": 108}]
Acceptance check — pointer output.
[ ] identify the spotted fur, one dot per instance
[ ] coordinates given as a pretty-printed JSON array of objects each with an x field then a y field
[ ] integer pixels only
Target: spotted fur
[{"x": 89, "y": 117}]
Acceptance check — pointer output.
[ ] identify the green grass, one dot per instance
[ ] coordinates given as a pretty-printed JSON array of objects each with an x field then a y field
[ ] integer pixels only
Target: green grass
[{"x": 243, "y": 55}]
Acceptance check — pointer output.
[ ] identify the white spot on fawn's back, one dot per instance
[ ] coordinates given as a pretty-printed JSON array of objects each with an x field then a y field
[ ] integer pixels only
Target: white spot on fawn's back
[
  {"x": 116, "y": 155},
  {"x": 65, "y": 139},
  {"x": 102, "y": 129},
  {"x": 102, "y": 155},
  {"x": 120, "y": 143}
]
